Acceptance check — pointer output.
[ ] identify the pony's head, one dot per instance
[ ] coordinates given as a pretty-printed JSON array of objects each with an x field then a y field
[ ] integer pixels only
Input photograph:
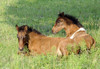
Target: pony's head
[
  {"x": 22, "y": 36},
  {"x": 59, "y": 24},
  {"x": 64, "y": 21}
]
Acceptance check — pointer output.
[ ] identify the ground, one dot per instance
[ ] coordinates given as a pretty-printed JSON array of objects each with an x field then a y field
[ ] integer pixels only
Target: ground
[{"x": 41, "y": 15}]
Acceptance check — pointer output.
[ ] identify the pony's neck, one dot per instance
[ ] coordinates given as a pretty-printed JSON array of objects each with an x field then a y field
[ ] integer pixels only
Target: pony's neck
[
  {"x": 70, "y": 29},
  {"x": 34, "y": 34}
]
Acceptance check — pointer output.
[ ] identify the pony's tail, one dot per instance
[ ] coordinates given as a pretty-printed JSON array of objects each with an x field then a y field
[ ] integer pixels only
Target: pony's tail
[{"x": 94, "y": 43}]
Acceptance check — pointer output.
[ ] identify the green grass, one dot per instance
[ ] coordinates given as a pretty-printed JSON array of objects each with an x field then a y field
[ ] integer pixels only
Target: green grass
[{"x": 41, "y": 15}]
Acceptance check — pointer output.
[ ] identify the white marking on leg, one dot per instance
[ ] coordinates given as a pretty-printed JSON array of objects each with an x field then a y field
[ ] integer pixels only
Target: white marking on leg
[{"x": 59, "y": 52}]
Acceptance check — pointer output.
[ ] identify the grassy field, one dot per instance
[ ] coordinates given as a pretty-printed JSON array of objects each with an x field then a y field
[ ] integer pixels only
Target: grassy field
[{"x": 41, "y": 15}]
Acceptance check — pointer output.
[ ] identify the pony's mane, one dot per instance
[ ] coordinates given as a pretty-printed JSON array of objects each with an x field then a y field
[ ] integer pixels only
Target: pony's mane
[
  {"x": 75, "y": 20},
  {"x": 30, "y": 29}
]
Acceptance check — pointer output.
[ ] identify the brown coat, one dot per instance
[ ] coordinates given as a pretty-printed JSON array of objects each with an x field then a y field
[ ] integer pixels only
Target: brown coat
[
  {"x": 42, "y": 44},
  {"x": 37, "y": 43},
  {"x": 70, "y": 24}
]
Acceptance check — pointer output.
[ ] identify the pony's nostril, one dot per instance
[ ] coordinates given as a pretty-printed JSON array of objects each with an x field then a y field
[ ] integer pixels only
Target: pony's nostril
[{"x": 21, "y": 49}]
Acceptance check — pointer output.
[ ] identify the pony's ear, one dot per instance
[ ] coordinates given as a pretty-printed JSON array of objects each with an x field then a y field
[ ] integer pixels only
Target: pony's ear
[
  {"x": 17, "y": 27},
  {"x": 61, "y": 14},
  {"x": 26, "y": 28}
]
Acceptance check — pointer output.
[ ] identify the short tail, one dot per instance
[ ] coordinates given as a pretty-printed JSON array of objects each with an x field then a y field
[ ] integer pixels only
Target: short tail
[{"x": 94, "y": 43}]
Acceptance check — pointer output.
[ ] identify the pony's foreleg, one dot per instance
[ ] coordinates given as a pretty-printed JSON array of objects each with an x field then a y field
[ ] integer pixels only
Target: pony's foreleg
[
  {"x": 62, "y": 51},
  {"x": 59, "y": 53}
]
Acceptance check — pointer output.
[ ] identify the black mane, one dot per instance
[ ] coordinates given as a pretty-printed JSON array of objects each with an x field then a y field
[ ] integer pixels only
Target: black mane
[
  {"x": 30, "y": 29},
  {"x": 75, "y": 20}
]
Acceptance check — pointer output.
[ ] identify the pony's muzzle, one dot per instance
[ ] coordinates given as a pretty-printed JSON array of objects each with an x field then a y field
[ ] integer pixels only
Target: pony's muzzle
[
  {"x": 21, "y": 49},
  {"x": 53, "y": 32}
]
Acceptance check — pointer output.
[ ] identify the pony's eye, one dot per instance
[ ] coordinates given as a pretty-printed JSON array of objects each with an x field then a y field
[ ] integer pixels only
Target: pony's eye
[{"x": 58, "y": 21}]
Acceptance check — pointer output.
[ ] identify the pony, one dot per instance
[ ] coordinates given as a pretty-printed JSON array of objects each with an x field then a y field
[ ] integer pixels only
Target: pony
[
  {"x": 36, "y": 42},
  {"x": 75, "y": 32}
]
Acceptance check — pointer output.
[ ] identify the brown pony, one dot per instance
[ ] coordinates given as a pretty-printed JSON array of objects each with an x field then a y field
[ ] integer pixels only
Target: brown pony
[
  {"x": 74, "y": 31},
  {"x": 37, "y": 43}
]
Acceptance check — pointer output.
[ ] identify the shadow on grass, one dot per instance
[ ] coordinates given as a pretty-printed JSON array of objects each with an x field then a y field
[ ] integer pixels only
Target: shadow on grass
[{"x": 41, "y": 15}]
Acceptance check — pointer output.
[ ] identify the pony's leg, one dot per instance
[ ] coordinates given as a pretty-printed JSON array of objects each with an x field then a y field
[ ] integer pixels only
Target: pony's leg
[
  {"x": 59, "y": 53},
  {"x": 64, "y": 51},
  {"x": 63, "y": 47}
]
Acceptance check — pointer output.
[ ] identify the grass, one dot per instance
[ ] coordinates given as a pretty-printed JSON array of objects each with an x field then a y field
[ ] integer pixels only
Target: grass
[{"x": 41, "y": 15}]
